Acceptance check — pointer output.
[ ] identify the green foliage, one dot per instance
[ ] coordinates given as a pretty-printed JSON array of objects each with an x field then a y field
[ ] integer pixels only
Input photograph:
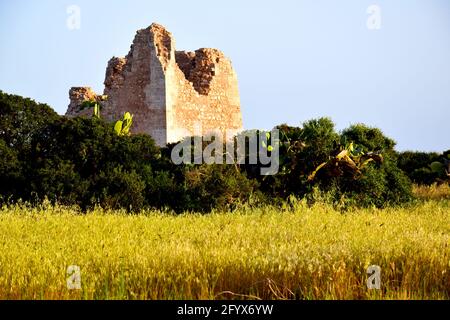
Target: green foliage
[
  {"x": 116, "y": 188},
  {"x": 122, "y": 127},
  {"x": 94, "y": 105},
  {"x": 58, "y": 181},
  {"x": 301, "y": 151},
  {"x": 88, "y": 162},
  {"x": 165, "y": 191},
  {"x": 360, "y": 172},
  {"x": 10, "y": 171},
  {"x": 409, "y": 161},
  {"x": 437, "y": 167},
  {"x": 96, "y": 163},
  {"x": 216, "y": 187},
  {"x": 21, "y": 118},
  {"x": 320, "y": 139},
  {"x": 370, "y": 139},
  {"x": 350, "y": 160},
  {"x": 96, "y": 112},
  {"x": 425, "y": 168},
  {"x": 446, "y": 155},
  {"x": 379, "y": 186}
]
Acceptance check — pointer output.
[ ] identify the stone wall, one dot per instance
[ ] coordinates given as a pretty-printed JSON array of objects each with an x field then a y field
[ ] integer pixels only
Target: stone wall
[{"x": 169, "y": 92}]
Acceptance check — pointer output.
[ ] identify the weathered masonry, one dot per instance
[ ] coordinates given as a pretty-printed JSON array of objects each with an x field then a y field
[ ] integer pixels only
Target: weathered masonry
[{"x": 170, "y": 93}]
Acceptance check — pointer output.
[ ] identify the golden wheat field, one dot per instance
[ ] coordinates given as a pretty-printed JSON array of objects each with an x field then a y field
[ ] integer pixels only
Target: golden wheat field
[{"x": 299, "y": 252}]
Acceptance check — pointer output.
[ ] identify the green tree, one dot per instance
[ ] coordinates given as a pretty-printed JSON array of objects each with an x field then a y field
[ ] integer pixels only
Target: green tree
[{"x": 21, "y": 118}]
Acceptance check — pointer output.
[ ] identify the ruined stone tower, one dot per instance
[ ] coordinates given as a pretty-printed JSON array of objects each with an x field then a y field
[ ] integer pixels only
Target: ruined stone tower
[{"x": 170, "y": 93}]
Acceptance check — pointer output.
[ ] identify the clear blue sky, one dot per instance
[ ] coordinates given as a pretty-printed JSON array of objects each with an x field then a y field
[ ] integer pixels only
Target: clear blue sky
[{"x": 295, "y": 60}]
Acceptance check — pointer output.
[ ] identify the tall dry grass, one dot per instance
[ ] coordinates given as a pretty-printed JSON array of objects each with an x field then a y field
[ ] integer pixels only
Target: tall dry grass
[
  {"x": 266, "y": 253},
  {"x": 433, "y": 192}
]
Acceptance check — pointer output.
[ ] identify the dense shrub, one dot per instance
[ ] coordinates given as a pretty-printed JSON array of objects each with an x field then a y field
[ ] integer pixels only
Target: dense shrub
[
  {"x": 84, "y": 162},
  {"x": 217, "y": 186},
  {"x": 423, "y": 167},
  {"x": 117, "y": 188},
  {"x": 382, "y": 184},
  {"x": 320, "y": 139},
  {"x": 10, "y": 171},
  {"x": 409, "y": 161},
  {"x": 301, "y": 150},
  {"x": 21, "y": 118},
  {"x": 59, "y": 181},
  {"x": 164, "y": 190},
  {"x": 317, "y": 145},
  {"x": 379, "y": 186},
  {"x": 369, "y": 139}
]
